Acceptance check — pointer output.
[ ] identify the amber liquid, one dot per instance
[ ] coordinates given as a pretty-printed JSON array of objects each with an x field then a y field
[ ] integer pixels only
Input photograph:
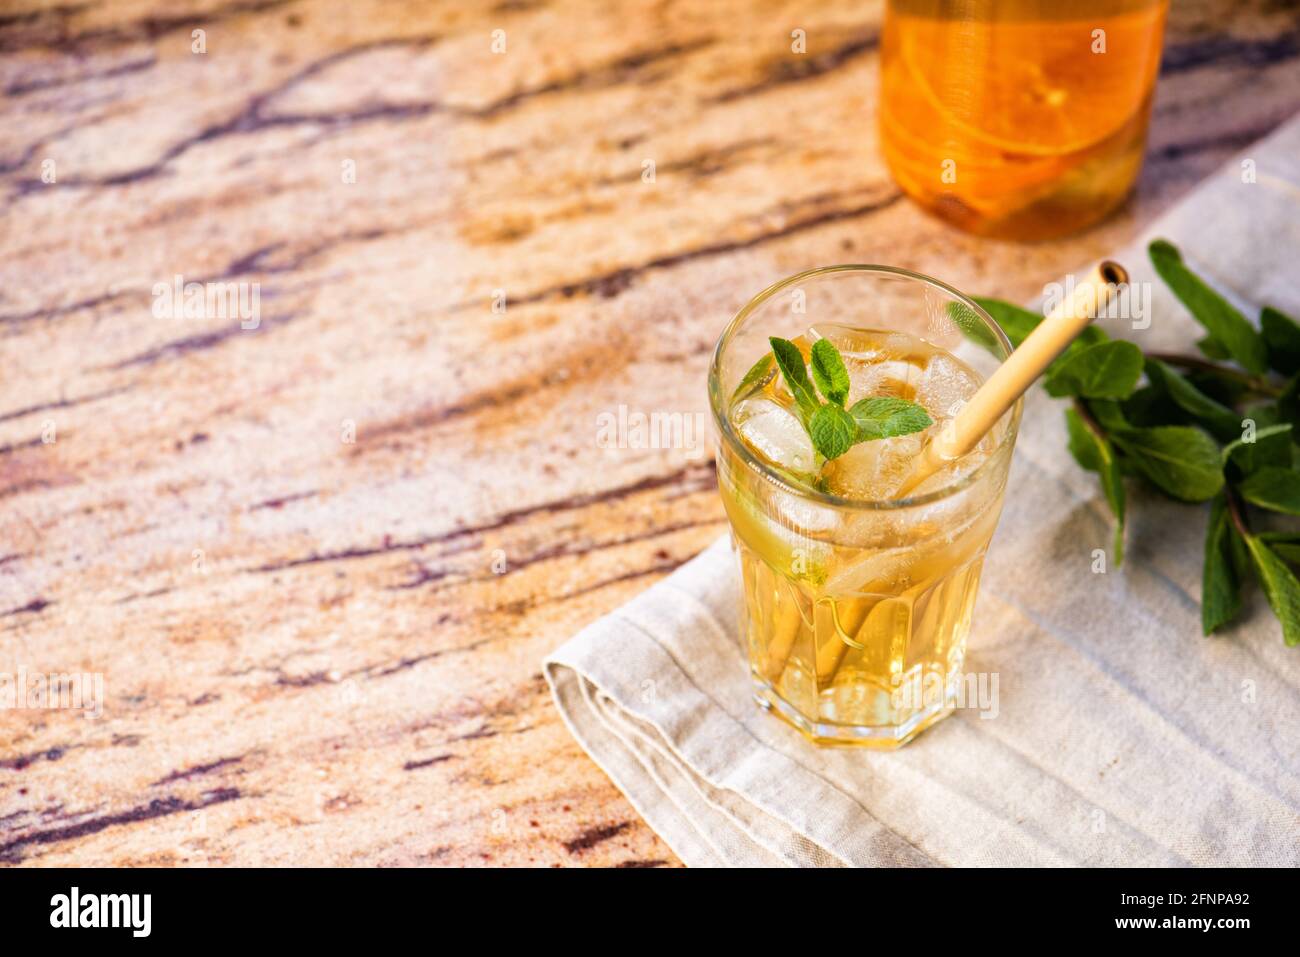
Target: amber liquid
[
  {"x": 852, "y": 627},
  {"x": 868, "y": 654},
  {"x": 1019, "y": 119}
]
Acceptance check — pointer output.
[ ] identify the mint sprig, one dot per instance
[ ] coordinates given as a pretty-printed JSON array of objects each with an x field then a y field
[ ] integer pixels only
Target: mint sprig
[
  {"x": 1222, "y": 427},
  {"x": 833, "y": 429}
]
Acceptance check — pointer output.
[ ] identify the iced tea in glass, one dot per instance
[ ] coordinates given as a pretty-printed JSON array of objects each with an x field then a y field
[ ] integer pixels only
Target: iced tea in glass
[
  {"x": 857, "y": 602},
  {"x": 1020, "y": 119}
]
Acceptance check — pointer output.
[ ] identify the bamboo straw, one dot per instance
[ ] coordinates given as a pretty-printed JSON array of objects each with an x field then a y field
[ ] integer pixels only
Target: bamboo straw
[{"x": 992, "y": 400}]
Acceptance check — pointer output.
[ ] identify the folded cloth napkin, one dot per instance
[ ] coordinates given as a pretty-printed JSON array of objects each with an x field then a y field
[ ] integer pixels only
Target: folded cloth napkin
[{"x": 1121, "y": 735}]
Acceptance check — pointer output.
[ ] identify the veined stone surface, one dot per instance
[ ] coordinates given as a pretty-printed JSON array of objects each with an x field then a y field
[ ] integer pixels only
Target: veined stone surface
[{"x": 318, "y": 562}]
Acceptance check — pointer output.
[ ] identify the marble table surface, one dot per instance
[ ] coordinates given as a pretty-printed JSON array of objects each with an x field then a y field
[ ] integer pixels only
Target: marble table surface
[{"x": 317, "y": 556}]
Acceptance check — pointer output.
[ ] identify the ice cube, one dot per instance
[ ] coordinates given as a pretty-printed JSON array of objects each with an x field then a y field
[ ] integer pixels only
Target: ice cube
[
  {"x": 774, "y": 432},
  {"x": 943, "y": 387},
  {"x": 870, "y": 571},
  {"x": 889, "y": 378},
  {"x": 861, "y": 344},
  {"x": 872, "y": 471},
  {"x": 952, "y": 473}
]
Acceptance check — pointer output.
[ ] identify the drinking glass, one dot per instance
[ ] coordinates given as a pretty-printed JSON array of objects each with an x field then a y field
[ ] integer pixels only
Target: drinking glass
[{"x": 855, "y": 612}]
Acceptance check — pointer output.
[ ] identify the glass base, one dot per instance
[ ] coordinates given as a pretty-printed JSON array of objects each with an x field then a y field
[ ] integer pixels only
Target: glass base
[{"x": 829, "y": 734}]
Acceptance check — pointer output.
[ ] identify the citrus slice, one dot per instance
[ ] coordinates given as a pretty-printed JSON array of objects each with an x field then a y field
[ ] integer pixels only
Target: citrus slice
[{"x": 1033, "y": 88}]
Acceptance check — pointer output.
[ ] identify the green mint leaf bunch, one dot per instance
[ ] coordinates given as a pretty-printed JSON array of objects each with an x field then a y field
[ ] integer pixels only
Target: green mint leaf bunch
[
  {"x": 1221, "y": 427},
  {"x": 834, "y": 429}
]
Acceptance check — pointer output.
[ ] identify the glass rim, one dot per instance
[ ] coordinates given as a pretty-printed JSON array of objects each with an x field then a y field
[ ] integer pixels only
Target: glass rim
[{"x": 722, "y": 422}]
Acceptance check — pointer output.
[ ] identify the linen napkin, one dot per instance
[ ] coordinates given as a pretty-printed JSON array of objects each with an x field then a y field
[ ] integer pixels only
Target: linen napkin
[{"x": 1121, "y": 736}]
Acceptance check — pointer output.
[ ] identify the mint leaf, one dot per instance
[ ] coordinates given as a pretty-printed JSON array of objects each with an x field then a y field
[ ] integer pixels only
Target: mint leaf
[
  {"x": 1238, "y": 554},
  {"x": 832, "y": 430},
  {"x": 1095, "y": 453},
  {"x": 1212, "y": 348},
  {"x": 1150, "y": 405},
  {"x": 883, "y": 417},
  {"x": 1272, "y": 446},
  {"x": 790, "y": 361},
  {"x": 1282, "y": 336},
  {"x": 757, "y": 373},
  {"x": 1226, "y": 325},
  {"x": 829, "y": 373},
  {"x": 1108, "y": 370},
  {"x": 1284, "y": 544},
  {"x": 1280, "y": 587},
  {"x": 1109, "y": 414},
  {"x": 1220, "y": 585},
  {"x": 1273, "y": 488},
  {"x": 1081, "y": 443},
  {"x": 1215, "y": 416},
  {"x": 1178, "y": 459}
]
